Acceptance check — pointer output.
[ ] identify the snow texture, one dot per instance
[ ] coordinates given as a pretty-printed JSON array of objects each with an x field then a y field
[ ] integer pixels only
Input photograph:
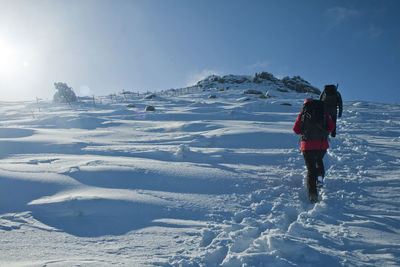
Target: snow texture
[{"x": 198, "y": 182}]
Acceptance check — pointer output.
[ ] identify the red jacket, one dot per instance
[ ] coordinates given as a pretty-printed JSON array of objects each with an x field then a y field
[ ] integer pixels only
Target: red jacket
[{"x": 313, "y": 144}]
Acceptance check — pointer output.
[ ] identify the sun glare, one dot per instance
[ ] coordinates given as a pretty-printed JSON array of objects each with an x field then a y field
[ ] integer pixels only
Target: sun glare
[
  {"x": 16, "y": 73},
  {"x": 11, "y": 59}
]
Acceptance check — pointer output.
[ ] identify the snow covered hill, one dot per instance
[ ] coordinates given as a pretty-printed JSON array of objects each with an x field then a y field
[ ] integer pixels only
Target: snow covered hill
[{"x": 212, "y": 177}]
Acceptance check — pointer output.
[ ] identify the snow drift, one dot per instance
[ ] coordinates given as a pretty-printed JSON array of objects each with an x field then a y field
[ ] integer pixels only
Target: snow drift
[{"x": 198, "y": 182}]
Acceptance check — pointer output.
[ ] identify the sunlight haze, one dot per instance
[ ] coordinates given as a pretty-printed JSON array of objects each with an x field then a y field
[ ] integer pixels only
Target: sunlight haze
[{"x": 102, "y": 47}]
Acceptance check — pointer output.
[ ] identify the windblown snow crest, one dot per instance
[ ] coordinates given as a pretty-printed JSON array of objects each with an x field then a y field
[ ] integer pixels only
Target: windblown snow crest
[{"x": 213, "y": 176}]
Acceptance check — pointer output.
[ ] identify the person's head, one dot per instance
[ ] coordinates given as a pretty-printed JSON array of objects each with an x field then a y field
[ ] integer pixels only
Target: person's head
[{"x": 330, "y": 87}]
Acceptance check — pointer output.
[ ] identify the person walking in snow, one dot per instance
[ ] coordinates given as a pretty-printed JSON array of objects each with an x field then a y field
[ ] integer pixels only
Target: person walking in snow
[
  {"x": 314, "y": 124},
  {"x": 333, "y": 100}
]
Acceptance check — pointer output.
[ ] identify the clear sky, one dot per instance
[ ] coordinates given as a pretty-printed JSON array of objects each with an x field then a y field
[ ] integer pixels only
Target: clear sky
[{"x": 100, "y": 47}]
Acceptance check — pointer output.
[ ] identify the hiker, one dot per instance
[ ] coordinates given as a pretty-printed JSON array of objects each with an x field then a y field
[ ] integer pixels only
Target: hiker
[
  {"x": 314, "y": 125},
  {"x": 333, "y": 101}
]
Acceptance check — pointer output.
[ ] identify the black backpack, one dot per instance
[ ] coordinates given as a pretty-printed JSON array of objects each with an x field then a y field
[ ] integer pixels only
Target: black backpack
[
  {"x": 329, "y": 95},
  {"x": 313, "y": 121}
]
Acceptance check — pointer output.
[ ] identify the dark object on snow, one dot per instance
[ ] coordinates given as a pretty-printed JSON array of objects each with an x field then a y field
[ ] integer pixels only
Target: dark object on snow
[
  {"x": 286, "y": 104},
  {"x": 212, "y": 96},
  {"x": 282, "y": 90},
  {"x": 252, "y": 92},
  {"x": 333, "y": 100},
  {"x": 150, "y": 108}
]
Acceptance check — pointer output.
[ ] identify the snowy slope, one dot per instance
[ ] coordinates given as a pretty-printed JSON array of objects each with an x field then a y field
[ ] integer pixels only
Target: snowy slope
[{"x": 199, "y": 182}]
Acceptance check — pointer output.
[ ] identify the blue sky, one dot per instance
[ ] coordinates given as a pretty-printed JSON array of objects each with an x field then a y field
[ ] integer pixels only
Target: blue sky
[{"x": 101, "y": 47}]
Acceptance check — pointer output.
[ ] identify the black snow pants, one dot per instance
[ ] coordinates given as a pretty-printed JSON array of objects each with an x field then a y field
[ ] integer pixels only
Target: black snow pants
[{"x": 315, "y": 168}]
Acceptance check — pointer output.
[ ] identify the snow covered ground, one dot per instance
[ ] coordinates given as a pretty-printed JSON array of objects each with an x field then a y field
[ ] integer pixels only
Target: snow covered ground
[{"x": 199, "y": 182}]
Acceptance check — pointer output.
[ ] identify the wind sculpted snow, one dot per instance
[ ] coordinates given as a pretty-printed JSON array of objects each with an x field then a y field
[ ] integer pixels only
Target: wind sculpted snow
[{"x": 199, "y": 182}]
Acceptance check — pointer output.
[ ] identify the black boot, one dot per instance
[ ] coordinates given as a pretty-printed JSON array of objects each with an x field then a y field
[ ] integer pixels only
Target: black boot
[
  {"x": 313, "y": 198},
  {"x": 312, "y": 189}
]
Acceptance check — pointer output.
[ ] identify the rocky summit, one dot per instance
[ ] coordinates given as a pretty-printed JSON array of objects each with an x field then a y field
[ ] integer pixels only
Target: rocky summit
[{"x": 263, "y": 79}]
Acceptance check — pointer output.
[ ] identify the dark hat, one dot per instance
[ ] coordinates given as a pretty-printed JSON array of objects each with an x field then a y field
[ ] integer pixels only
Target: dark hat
[{"x": 330, "y": 86}]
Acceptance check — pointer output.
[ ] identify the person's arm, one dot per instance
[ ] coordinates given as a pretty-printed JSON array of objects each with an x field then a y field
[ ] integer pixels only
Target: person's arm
[
  {"x": 340, "y": 104},
  {"x": 297, "y": 125},
  {"x": 331, "y": 123}
]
